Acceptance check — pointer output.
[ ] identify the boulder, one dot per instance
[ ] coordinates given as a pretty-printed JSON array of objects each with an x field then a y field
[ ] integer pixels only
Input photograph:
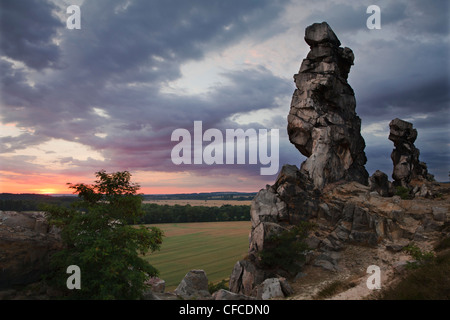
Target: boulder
[
  {"x": 285, "y": 287},
  {"x": 194, "y": 286},
  {"x": 320, "y": 33},
  {"x": 380, "y": 183},
  {"x": 245, "y": 277},
  {"x": 270, "y": 288}
]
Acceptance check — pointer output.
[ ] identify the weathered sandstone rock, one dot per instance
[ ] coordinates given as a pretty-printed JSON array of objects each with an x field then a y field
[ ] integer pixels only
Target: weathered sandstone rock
[
  {"x": 380, "y": 183},
  {"x": 26, "y": 245},
  {"x": 405, "y": 156},
  {"x": 322, "y": 122},
  {"x": 331, "y": 188},
  {"x": 194, "y": 286}
]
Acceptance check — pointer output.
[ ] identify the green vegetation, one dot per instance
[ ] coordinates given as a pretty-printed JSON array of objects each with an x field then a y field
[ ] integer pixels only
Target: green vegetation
[
  {"x": 420, "y": 257},
  {"x": 211, "y": 246},
  {"x": 402, "y": 192},
  {"x": 99, "y": 240},
  {"x": 203, "y": 196},
  {"x": 32, "y": 202},
  {"x": 333, "y": 288},
  {"x": 284, "y": 250},
  {"x": 154, "y": 213},
  {"x": 216, "y": 287},
  {"x": 428, "y": 281}
]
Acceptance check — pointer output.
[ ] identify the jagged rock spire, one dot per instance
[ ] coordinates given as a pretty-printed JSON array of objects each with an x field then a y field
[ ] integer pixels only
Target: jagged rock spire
[
  {"x": 405, "y": 156},
  {"x": 322, "y": 122}
]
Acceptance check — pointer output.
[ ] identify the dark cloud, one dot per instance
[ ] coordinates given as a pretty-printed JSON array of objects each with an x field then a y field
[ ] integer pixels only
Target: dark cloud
[
  {"x": 427, "y": 18},
  {"x": 146, "y": 41},
  {"x": 10, "y": 144},
  {"x": 103, "y": 85},
  {"x": 27, "y": 29},
  {"x": 347, "y": 19}
]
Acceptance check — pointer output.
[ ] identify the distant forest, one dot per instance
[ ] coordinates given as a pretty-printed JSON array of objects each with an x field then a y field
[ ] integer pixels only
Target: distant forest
[
  {"x": 31, "y": 202},
  {"x": 202, "y": 196},
  {"x": 154, "y": 213}
]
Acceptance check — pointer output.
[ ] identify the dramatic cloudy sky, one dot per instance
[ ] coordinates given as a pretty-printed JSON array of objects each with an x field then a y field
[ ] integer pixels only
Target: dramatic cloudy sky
[{"x": 109, "y": 96}]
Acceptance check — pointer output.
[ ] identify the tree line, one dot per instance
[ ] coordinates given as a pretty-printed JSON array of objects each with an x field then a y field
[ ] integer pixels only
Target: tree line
[
  {"x": 152, "y": 213},
  {"x": 155, "y": 213},
  {"x": 33, "y": 203}
]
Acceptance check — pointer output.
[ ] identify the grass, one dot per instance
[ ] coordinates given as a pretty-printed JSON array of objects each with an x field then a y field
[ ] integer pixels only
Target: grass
[
  {"x": 211, "y": 246},
  {"x": 333, "y": 288},
  {"x": 430, "y": 281}
]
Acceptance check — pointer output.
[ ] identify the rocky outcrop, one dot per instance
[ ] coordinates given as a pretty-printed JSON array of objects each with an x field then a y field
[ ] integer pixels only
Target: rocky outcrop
[
  {"x": 405, "y": 156},
  {"x": 322, "y": 122},
  {"x": 323, "y": 125},
  {"x": 345, "y": 213},
  {"x": 26, "y": 245},
  {"x": 331, "y": 188},
  {"x": 194, "y": 286},
  {"x": 245, "y": 278},
  {"x": 292, "y": 199}
]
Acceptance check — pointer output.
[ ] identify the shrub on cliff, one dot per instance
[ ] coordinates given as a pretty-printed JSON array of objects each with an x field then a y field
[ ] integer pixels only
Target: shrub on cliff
[{"x": 287, "y": 249}]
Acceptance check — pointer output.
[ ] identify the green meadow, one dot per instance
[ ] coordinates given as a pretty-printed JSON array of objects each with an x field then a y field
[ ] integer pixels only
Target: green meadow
[{"x": 212, "y": 246}]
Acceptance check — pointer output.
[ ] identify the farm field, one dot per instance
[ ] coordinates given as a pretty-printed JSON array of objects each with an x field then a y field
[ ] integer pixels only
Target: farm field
[
  {"x": 212, "y": 246},
  {"x": 194, "y": 202}
]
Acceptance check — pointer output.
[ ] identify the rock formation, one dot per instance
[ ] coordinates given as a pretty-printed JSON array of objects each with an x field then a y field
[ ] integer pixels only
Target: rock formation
[
  {"x": 331, "y": 187},
  {"x": 323, "y": 125},
  {"x": 322, "y": 122},
  {"x": 26, "y": 244},
  {"x": 405, "y": 156}
]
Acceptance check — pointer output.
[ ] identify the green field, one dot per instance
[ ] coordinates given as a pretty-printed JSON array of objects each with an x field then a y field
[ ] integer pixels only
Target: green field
[{"x": 212, "y": 246}]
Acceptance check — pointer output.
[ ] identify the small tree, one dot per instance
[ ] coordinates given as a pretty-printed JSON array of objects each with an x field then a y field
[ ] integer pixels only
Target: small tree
[{"x": 99, "y": 239}]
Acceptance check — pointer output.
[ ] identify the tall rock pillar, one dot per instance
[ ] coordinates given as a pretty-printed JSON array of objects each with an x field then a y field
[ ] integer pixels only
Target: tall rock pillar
[
  {"x": 405, "y": 156},
  {"x": 322, "y": 122}
]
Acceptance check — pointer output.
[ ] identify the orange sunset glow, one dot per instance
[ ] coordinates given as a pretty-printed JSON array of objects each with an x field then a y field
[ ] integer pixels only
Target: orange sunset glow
[{"x": 163, "y": 183}]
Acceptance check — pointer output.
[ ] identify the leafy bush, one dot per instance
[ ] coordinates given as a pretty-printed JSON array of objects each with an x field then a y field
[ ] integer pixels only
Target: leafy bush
[
  {"x": 284, "y": 250},
  {"x": 403, "y": 193},
  {"x": 420, "y": 257},
  {"x": 216, "y": 287}
]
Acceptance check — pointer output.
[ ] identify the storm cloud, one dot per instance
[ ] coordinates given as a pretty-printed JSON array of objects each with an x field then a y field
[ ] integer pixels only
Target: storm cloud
[{"x": 137, "y": 70}]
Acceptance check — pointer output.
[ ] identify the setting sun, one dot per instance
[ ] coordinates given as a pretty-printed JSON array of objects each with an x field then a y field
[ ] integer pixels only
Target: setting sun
[{"x": 47, "y": 191}]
